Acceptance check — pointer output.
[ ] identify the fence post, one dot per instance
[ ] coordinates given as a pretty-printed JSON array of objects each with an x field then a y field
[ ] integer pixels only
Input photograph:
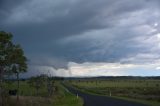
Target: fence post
[{"x": 77, "y": 95}]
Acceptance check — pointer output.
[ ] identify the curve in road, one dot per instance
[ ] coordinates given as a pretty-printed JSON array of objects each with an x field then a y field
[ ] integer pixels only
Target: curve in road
[{"x": 95, "y": 100}]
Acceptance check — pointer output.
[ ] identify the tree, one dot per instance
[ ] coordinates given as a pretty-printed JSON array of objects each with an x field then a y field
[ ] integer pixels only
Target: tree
[
  {"x": 12, "y": 59},
  {"x": 50, "y": 86},
  {"x": 5, "y": 51},
  {"x": 36, "y": 82},
  {"x": 19, "y": 65}
]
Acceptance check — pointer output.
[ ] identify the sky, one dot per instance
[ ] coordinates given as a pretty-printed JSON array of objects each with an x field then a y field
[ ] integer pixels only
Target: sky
[{"x": 86, "y": 37}]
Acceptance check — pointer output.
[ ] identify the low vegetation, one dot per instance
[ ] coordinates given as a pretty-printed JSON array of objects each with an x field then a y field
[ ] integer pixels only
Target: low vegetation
[
  {"x": 141, "y": 90},
  {"x": 30, "y": 97}
]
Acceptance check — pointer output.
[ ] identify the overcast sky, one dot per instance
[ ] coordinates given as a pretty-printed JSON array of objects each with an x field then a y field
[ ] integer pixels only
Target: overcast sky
[{"x": 86, "y": 37}]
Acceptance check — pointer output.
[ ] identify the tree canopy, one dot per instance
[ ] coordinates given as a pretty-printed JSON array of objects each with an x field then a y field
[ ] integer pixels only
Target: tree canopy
[{"x": 12, "y": 59}]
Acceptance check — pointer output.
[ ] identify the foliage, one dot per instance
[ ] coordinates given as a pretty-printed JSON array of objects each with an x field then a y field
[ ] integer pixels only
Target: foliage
[
  {"x": 37, "y": 82},
  {"x": 29, "y": 97},
  {"x": 12, "y": 60},
  {"x": 6, "y": 48},
  {"x": 12, "y": 57}
]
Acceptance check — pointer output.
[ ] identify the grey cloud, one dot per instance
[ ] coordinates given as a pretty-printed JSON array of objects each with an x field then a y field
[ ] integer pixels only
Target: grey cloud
[
  {"x": 44, "y": 27},
  {"x": 6, "y": 7}
]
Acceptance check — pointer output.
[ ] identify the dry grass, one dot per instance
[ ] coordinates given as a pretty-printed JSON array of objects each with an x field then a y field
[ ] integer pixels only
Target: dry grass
[{"x": 29, "y": 101}]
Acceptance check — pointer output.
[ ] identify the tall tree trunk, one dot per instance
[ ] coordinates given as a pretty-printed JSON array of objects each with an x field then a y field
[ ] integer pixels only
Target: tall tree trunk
[{"x": 17, "y": 86}]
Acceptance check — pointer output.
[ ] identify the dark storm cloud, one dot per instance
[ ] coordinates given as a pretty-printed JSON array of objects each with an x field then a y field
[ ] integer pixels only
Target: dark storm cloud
[
  {"x": 6, "y": 7},
  {"x": 56, "y": 32}
]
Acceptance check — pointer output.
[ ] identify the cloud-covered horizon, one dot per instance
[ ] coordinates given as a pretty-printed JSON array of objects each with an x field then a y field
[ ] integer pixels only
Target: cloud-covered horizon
[{"x": 56, "y": 33}]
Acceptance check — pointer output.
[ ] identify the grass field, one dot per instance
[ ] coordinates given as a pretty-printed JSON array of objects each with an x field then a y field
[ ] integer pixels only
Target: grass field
[
  {"x": 65, "y": 98},
  {"x": 146, "y": 91},
  {"x": 25, "y": 89},
  {"x": 29, "y": 96}
]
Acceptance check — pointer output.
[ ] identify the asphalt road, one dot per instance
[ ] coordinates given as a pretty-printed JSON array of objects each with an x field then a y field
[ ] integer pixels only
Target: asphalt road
[{"x": 94, "y": 100}]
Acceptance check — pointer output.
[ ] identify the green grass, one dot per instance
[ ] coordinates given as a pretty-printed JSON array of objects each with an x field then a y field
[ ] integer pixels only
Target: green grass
[
  {"x": 65, "y": 98},
  {"x": 118, "y": 83},
  {"x": 28, "y": 96},
  {"x": 150, "y": 103},
  {"x": 143, "y": 91},
  {"x": 25, "y": 89}
]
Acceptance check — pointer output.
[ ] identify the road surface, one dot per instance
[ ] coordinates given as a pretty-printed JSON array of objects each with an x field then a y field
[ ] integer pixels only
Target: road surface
[{"x": 94, "y": 100}]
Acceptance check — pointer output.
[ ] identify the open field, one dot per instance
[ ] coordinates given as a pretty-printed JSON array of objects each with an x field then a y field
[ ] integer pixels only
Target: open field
[
  {"x": 147, "y": 90},
  {"x": 30, "y": 97},
  {"x": 25, "y": 89}
]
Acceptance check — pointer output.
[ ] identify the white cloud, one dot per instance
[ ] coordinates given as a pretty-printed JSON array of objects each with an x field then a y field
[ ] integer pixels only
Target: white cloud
[
  {"x": 157, "y": 68},
  {"x": 98, "y": 69},
  {"x": 112, "y": 69}
]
